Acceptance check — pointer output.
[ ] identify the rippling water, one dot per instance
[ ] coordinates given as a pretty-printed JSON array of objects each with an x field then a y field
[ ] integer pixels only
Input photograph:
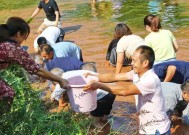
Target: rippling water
[{"x": 174, "y": 15}]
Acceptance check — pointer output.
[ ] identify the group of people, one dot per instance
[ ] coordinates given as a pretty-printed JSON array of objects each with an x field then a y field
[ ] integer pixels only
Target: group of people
[{"x": 160, "y": 82}]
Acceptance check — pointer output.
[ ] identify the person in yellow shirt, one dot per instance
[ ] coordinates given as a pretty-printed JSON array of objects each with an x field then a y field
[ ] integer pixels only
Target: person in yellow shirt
[{"x": 160, "y": 40}]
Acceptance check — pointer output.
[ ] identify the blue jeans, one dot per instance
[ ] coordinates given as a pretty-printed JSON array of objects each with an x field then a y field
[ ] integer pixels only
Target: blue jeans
[{"x": 166, "y": 133}]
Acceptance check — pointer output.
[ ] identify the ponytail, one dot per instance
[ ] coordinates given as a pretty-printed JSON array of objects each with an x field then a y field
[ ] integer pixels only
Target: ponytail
[
  {"x": 155, "y": 25},
  {"x": 153, "y": 22},
  {"x": 4, "y": 33}
]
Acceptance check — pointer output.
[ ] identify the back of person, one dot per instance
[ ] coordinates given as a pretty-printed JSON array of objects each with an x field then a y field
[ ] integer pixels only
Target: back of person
[
  {"x": 161, "y": 42},
  {"x": 64, "y": 63},
  {"x": 128, "y": 44},
  {"x": 182, "y": 71},
  {"x": 67, "y": 49},
  {"x": 51, "y": 34}
]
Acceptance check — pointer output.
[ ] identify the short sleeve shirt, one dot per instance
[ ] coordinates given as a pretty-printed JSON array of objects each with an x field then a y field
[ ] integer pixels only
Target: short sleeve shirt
[
  {"x": 66, "y": 49},
  {"x": 181, "y": 74},
  {"x": 50, "y": 8},
  {"x": 128, "y": 44},
  {"x": 151, "y": 105},
  {"x": 162, "y": 44},
  {"x": 51, "y": 34},
  {"x": 65, "y": 63}
]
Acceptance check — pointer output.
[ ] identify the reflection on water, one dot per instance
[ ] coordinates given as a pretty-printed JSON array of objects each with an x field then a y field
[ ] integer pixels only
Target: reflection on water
[{"x": 133, "y": 11}]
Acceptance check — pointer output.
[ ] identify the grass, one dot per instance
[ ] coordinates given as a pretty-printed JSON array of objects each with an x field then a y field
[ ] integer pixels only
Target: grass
[
  {"x": 28, "y": 114},
  {"x": 15, "y": 4}
]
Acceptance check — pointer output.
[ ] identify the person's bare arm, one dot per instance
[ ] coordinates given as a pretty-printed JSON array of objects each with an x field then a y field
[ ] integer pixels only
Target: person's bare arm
[
  {"x": 35, "y": 12},
  {"x": 47, "y": 75},
  {"x": 57, "y": 18},
  {"x": 112, "y": 77},
  {"x": 175, "y": 45},
  {"x": 117, "y": 90},
  {"x": 119, "y": 64},
  {"x": 170, "y": 73}
]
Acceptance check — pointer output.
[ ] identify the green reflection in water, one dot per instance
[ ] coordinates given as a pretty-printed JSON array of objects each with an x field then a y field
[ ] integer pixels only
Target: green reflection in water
[{"x": 132, "y": 12}]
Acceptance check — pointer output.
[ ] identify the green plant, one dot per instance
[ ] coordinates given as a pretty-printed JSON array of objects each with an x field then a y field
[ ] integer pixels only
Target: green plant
[{"x": 28, "y": 115}]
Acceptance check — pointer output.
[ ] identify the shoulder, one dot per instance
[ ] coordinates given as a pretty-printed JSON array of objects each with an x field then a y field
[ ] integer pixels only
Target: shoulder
[{"x": 149, "y": 78}]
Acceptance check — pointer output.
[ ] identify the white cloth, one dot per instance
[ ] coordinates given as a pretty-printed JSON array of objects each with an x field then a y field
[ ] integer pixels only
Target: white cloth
[
  {"x": 69, "y": 74},
  {"x": 129, "y": 44},
  {"x": 151, "y": 104},
  {"x": 51, "y": 33},
  {"x": 51, "y": 23},
  {"x": 57, "y": 93}
]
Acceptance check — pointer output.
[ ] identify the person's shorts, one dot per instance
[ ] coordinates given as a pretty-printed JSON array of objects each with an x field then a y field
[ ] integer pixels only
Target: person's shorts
[
  {"x": 51, "y": 23},
  {"x": 104, "y": 105}
]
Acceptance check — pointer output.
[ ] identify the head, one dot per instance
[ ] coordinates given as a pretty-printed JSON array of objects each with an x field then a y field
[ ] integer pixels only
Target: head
[
  {"x": 121, "y": 29},
  {"x": 41, "y": 41},
  {"x": 89, "y": 66},
  {"x": 143, "y": 59},
  {"x": 152, "y": 23},
  {"x": 15, "y": 28},
  {"x": 47, "y": 52},
  {"x": 39, "y": 60},
  {"x": 185, "y": 90}
]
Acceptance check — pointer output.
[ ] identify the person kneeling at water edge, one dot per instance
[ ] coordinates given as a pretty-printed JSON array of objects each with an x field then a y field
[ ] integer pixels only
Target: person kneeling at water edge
[{"x": 151, "y": 104}]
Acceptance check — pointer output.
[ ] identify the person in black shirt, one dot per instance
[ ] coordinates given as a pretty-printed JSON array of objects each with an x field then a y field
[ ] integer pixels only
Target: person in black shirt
[{"x": 52, "y": 14}]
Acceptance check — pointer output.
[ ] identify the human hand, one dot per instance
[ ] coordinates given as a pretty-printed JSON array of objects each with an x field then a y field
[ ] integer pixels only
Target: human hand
[
  {"x": 88, "y": 74},
  {"x": 29, "y": 20},
  {"x": 175, "y": 118},
  {"x": 64, "y": 84},
  {"x": 93, "y": 85}
]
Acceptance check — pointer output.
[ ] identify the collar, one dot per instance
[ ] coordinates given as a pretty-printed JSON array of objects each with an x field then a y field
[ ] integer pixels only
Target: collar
[{"x": 12, "y": 41}]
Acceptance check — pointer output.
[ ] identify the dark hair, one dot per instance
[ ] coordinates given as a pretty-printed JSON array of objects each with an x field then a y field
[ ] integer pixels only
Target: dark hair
[
  {"x": 153, "y": 22},
  {"x": 46, "y": 48},
  {"x": 121, "y": 29},
  {"x": 185, "y": 86},
  {"x": 41, "y": 41},
  {"x": 4, "y": 34},
  {"x": 12, "y": 27},
  {"x": 146, "y": 53}
]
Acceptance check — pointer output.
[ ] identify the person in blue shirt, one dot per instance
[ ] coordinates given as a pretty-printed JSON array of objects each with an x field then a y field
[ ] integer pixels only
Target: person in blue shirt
[
  {"x": 64, "y": 63},
  {"x": 172, "y": 71},
  {"x": 61, "y": 49}
]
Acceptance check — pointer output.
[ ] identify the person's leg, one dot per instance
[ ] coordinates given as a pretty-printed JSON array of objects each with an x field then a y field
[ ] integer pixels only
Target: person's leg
[
  {"x": 113, "y": 57},
  {"x": 41, "y": 28},
  {"x": 61, "y": 36}
]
